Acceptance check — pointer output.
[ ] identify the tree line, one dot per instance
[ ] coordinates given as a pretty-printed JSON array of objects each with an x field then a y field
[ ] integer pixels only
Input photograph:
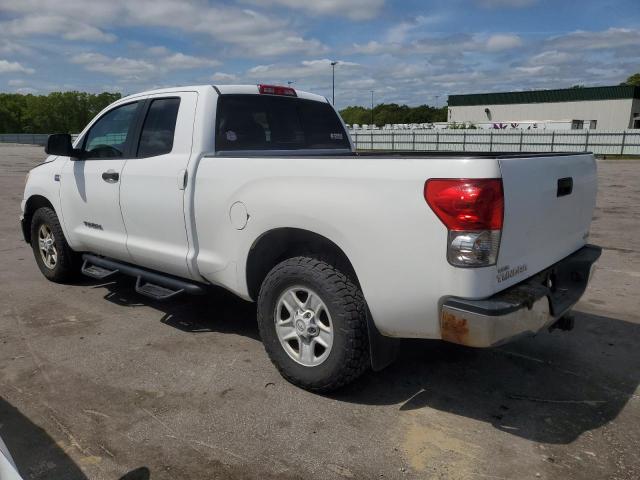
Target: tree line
[
  {"x": 69, "y": 112},
  {"x": 57, "y": 112},
  {"x": 393, "y": 113}
]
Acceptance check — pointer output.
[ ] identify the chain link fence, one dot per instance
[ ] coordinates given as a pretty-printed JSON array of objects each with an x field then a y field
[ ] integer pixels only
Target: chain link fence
[
  {"x": 624, "y": 142},
  {"x": 27, "y": 138}
]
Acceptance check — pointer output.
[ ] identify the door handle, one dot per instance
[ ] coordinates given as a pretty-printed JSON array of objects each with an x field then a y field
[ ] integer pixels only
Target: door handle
[
  {"x": 110, "y": 176},
  {"x": 565, "y": 186}
]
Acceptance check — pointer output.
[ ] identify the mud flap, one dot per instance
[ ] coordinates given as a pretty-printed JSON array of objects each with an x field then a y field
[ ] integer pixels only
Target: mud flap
[{"x": 382, "y": 350}]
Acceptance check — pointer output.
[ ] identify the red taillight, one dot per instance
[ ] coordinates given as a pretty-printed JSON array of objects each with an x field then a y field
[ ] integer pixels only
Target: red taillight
[
  {"x": 277, "y": 90},
  {"x": 466, "y": 204}
]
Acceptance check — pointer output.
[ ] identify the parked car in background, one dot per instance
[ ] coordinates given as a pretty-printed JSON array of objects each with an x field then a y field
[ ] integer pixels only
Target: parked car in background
[{"x": 8, "y": 469}]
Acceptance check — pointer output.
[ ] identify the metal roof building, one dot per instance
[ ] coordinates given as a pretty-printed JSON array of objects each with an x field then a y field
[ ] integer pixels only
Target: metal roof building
[{"x": 610, "y": 108}]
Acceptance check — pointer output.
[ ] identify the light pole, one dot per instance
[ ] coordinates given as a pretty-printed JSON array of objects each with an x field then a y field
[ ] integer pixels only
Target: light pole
[
  {"x": 333, "y": 82},
  {"x": 372, "y": 108}
]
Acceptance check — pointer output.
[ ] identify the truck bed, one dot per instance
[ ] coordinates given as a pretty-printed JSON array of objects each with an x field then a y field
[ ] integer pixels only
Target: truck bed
[
  {"x": 388, "y": 154},
  {"x": 469, "y": 154}
]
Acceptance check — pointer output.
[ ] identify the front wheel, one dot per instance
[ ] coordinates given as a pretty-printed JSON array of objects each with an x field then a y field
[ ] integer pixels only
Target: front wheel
[
  {"x": 56, "y": 260},
  {"x": 313, "y": 323}
]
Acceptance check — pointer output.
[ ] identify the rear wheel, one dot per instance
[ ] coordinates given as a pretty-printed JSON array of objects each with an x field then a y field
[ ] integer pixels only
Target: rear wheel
[
  {"x": 313, "y": 324},
  {"x": 56, "y": 260}
]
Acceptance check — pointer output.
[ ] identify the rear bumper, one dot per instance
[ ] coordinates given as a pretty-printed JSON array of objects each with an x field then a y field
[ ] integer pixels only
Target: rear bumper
[{"x": 525, "y": 308}]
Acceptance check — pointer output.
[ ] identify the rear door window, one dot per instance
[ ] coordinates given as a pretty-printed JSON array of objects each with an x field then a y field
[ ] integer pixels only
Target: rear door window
[
  {"x": 266, "y": 122},
  {"x": 159, "y": 127}
]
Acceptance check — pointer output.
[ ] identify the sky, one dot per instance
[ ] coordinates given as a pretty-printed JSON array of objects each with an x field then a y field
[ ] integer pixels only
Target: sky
[{"x": 406, "y": 51}]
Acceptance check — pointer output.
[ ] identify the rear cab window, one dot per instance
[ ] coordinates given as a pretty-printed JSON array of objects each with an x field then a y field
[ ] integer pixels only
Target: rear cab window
[
  {"x": 269, "y": 122},
  {"x": 159, "y": 127}
]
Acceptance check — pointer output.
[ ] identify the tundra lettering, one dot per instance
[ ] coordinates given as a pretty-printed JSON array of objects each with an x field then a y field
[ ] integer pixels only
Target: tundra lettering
[{"x": 505, "y": 273}]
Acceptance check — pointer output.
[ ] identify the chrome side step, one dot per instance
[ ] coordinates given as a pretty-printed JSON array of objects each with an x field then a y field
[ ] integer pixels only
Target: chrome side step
[{"x": 149, "y": 283}]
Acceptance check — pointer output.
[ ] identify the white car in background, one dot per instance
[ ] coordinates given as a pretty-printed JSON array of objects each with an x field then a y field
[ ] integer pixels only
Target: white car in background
[{"x": 8, "y": 469}]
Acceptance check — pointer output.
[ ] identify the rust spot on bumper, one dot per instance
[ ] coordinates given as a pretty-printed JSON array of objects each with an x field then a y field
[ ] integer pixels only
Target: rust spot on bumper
[{"x": 454, "y": 329}]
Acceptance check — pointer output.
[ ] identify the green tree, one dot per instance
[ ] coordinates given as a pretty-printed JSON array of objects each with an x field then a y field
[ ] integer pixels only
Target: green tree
[
  {"x": 57, "y": 112},
  {"x": 356, "y": 114},
  {"x": 633, "y": 80},
  {"x": 393, "y": 113},
  {"x": 11, "y": 112}
]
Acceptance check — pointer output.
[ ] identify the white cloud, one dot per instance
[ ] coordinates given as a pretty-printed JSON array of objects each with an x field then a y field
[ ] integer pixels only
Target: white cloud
[
  {"x": 223, "y": 77},
  {"x": 16, "y": 82},
  {"x": 552, "y": 57},
  {"x": 373, "y": 47},
  {"x": 46, "y": 24},
  {"x": 139, "y": 68},
  {"x": 26, "y": 90},
  {"x": 438, "y": 45},
  {"x": 303, "y": 70},
  {"x": 249, "y": 32},
  {"x": 353, "y": 9},
  {"x": 13, "y": 67},
  {"x": 399, "y": 32},
  {"x": 604, "y": 39},
  {"x": 506, "y": 3},
  {"x": 499, "y": 42},
  {"x": 119, "y": 66},
  {"x": 412, "y": 60},
  {"x": 532, "y": 70},
  {"x": 180, "y": 61},
  {"x": 82, "y": 31},
  {"x": 158, "y": 50},
  {"x": 90, "y": 11},
  {"x": 9, "y": 47}
]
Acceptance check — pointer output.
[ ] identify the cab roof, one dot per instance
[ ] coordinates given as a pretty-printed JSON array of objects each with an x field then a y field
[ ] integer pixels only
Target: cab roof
[{"x": 225, "y": 89}]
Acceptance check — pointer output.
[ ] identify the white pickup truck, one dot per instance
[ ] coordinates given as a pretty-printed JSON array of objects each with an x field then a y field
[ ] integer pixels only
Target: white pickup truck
[{"x": 258, "y": 189}]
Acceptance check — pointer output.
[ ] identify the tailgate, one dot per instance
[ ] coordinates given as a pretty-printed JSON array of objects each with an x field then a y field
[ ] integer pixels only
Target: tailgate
[{"x": 548, "y": 206}]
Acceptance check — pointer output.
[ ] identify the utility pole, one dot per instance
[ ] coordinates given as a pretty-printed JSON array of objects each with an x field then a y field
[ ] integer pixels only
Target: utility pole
[
  {"x": 333, "y": 82},
  {"x": 372, "y": 108}
]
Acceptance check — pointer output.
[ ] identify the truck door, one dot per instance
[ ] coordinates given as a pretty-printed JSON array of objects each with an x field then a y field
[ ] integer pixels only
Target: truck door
[
  {"x": 90, "y": 187},
  {"x": 152, "y": 186}
]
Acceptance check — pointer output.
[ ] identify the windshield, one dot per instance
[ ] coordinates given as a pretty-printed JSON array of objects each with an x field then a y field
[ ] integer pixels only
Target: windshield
[{"x": 268, "y": 122}]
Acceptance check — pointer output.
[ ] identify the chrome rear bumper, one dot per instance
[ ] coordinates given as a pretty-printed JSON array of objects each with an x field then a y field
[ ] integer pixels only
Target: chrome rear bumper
[{"x": 525, "y": 308}]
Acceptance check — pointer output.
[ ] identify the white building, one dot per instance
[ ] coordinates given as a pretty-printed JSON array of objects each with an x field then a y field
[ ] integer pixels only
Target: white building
[{"x": 604, "y": 108}]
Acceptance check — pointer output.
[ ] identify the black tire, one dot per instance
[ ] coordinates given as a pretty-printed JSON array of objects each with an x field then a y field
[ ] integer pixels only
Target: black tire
[
  {"x": 349, "y": 354},
  {"x": 67, "y": 264}
]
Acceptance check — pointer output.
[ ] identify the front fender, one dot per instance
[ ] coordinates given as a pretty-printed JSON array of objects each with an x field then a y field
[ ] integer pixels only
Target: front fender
[{"x": 43, "y": 183}]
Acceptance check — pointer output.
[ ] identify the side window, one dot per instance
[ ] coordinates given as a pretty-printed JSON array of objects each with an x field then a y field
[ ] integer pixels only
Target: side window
[
  {"x": 159, "y": 127},
  {"x": 108, "y": 136}
]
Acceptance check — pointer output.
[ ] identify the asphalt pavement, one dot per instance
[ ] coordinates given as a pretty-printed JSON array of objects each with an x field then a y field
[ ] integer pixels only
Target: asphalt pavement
[{"x": 97, "y": 382}]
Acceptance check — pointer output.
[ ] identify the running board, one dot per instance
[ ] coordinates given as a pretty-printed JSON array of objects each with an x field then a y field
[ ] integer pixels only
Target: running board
[
  {"x": 158, "y": 286},
  {"x": 95, "y": 271},
  {"x": 154, "y": 291}
]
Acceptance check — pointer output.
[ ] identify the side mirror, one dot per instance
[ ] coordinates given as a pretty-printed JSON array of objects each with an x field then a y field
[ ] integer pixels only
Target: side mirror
[{"x": 60, "y": 144}]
